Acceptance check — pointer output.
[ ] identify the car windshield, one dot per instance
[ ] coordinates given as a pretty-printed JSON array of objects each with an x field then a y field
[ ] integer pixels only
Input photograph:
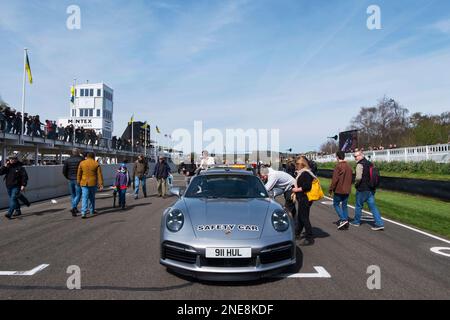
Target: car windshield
[{"x": 226, "y": 186}]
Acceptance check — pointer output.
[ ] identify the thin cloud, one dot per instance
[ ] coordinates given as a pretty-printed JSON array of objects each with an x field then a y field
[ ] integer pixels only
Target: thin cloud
[
  {"x": 173, "y": 62},
  {"x": 442, "y": 26},
  {"x": 199, "y": 28}
]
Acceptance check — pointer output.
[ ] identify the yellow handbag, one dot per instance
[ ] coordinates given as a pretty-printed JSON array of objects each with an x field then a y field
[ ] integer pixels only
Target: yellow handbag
[{"x": 316, "y": 192}]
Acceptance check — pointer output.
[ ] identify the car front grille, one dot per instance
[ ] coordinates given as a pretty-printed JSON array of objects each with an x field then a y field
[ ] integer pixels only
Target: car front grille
[
  {"x": 276, "y": 253},
  {"x": 178, "y": 252},
  {"x": 228, "y": 263},
  {"x": 185, "y": 254}
]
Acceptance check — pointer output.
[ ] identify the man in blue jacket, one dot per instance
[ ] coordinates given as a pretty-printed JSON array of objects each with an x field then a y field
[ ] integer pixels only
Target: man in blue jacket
[{"x": 161, "y": 173}]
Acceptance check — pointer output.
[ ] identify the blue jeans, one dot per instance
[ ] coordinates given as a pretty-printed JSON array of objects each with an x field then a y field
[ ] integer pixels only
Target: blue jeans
[
  {"x": 88, "y": 198},
  {"x": 369, "y": 197},
  {"x": 340, "y": 202},
  {"x": 75, "y": 193},
  {"x": 122, "y": 196},
  {"x": 13, "y": 202},
  {"x": 8, "y": 126},
  {"x": 138, "y": 182}
]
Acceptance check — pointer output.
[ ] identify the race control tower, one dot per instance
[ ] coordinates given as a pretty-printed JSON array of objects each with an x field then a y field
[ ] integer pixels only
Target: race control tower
[{"x": 91, "y": 107}]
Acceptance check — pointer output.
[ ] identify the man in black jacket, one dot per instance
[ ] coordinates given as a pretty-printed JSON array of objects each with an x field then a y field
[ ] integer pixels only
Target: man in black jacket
[
  {"x": 16, "y": 179},
  {"x": 161, "y": 173},
  {"x": 187, "y": 170},
  {"x": 70, "y": 170}
]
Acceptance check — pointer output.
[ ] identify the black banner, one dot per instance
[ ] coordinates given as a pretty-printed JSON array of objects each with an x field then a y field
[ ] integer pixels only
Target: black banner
[{"x": 348, "y": 141}]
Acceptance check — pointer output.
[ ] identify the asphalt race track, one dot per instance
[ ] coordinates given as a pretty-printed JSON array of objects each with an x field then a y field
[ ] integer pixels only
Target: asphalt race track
[{"x": 118, "y": 253}]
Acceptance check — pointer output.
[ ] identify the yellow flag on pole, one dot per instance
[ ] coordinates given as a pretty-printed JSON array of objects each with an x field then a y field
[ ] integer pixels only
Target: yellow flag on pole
[{"x": 28, "y": 69}]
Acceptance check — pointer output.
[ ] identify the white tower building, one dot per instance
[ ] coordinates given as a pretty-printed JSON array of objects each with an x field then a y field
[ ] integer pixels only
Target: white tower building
[{"x": 92, "y": 108}]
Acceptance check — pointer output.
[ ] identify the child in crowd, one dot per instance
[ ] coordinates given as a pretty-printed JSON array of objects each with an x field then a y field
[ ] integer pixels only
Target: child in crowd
[{"x": 122, "y": 183}]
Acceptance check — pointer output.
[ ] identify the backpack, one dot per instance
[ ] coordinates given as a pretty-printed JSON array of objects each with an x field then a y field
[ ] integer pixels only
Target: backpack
[{"x": 374, "y": 176}]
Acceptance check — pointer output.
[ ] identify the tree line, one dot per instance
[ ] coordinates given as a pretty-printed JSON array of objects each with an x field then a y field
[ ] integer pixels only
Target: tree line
[{"x": 389, "y": 124}]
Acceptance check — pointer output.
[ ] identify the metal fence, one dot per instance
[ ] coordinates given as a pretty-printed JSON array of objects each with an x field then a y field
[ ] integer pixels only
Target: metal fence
[{"x": 438, "y": 153}]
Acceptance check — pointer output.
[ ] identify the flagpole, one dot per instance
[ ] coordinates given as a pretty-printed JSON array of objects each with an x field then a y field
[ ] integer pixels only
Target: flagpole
[
  {"x": 25, "y": 50},
  {"x": 157, "y": 143},
  {"x": 132, "y": 134},
  {"x": 74, "y": 99},
  {"x": 145, "y": 145}
]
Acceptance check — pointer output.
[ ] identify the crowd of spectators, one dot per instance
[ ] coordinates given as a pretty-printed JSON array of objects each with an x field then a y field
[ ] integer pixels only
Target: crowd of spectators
[
  {"x": 11, "y": 122},
  {"x": 121, "y": 144}
]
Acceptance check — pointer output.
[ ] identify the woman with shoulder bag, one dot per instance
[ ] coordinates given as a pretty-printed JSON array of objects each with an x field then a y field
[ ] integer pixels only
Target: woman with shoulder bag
[{"x": 303, "y": 185}]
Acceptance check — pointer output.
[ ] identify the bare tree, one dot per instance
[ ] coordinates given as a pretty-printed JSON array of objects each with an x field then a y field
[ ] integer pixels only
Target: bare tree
[
  {"x": 381, "y": 125},
  {"x": 329, "y": 147}
]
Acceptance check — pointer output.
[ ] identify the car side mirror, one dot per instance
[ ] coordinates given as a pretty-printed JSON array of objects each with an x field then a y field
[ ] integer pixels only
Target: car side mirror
[{"x": 176, "y": 191}]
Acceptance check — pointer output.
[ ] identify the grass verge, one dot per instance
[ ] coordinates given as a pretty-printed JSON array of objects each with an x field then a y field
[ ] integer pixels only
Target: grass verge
[
  {"x": 424, "y": 213},
  {"x": 421, "y": 170}
]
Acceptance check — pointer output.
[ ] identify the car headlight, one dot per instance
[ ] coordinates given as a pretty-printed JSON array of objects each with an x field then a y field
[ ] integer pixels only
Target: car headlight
[
  {"x": 175, "y": 220},
  {"x": 280, "y": 220}
]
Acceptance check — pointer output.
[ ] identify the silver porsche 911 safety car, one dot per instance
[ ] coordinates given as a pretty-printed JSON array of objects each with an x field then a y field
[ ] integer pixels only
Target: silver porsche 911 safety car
[{"x": 226, "y": 227}]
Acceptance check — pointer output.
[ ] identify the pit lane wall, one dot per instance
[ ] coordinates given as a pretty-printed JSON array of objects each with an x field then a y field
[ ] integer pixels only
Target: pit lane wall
[{"x": 48, "y": 182}]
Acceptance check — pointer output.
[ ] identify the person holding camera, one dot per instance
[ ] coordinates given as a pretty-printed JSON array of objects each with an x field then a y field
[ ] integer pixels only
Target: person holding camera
[
  {"x": 16, "y": 179},
  {"x": 188, "y": 170}
]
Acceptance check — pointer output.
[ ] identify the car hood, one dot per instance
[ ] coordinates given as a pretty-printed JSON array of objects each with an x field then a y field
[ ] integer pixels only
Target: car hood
[{"x": 234, "y": 219}]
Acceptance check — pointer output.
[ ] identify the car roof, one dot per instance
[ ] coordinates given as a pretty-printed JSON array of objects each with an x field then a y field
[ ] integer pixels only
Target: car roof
[{"x": 226, "y": 171}]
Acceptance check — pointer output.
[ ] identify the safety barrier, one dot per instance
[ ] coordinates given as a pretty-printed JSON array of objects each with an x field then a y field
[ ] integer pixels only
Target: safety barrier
[{"x": 48, "y": 182}]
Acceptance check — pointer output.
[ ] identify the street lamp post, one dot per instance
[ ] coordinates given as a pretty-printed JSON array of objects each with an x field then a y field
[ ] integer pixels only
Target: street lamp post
[{"x": 335, "y": 138}]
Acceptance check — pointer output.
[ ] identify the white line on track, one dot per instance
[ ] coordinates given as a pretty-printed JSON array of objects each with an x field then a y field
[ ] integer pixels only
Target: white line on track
[
  {"x": 405, "y": 226},
  {"x": 320, "y": 273},
  {"x": 24, "y": 273},
  {"x": 438, "y": 250}
]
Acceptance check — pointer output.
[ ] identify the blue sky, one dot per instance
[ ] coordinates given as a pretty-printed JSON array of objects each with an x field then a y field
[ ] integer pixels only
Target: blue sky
[{"x": 302, "y": 66}]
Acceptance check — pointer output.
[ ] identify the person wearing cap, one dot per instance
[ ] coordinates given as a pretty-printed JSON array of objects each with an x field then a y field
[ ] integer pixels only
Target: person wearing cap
[
  {"x": 122, "y": 183},
  {"x": 161, "y": 173},
  {"x": 70, "y": 170},
  {"x": 16, "y": 179}
]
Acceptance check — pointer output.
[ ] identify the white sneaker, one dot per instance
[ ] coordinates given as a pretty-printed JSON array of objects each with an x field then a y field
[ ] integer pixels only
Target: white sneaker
[{"x": 343, "y": 225}]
